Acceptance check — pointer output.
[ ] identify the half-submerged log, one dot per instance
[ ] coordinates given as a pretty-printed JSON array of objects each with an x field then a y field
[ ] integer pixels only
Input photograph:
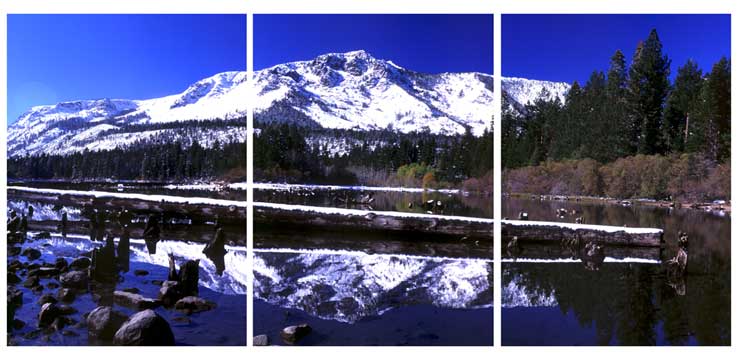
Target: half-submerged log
[
  {"x": 301, "y": 217},
  {"x": 196, "y": 208},
  {"x": 541, "y": 231}
]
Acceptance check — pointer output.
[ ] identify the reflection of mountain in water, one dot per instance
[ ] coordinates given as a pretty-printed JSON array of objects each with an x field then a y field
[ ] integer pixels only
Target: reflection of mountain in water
[
  {"x": 233, "y": 280},
  {"x": 44, "y": 210},
  {"x": 349, "y": 286}
]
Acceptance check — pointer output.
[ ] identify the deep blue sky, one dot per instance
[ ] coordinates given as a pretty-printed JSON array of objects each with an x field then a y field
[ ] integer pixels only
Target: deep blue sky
[
  {"x": 570, "y": 47},
  {"x": 54, "y": 58},
  {"x": 425, "y": 43}
]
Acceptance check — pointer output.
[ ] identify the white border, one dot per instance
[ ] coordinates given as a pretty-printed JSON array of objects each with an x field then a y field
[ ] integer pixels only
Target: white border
[{"x": 496, "y": 7}]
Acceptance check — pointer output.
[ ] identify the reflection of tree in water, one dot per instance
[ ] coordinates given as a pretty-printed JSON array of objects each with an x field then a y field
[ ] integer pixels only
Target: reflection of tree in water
[{"x": 625, "y": 302}]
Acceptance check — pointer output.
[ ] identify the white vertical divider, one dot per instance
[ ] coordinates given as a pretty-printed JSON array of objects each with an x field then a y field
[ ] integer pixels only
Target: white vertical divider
[
  {"x": 250, "y": 180},
  {"x": 497, "y": 194}
]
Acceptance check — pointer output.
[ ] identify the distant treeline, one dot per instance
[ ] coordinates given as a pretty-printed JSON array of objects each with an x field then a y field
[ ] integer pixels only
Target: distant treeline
[
  {"x": 289, "y": 152},
  {"x": 180, "y": 126},
  {"x": 628, "y": 111},
  {"x": 169, "y": 155},
  {"x": 145, "y": 161},
  {"x": 681, "y": 177}
]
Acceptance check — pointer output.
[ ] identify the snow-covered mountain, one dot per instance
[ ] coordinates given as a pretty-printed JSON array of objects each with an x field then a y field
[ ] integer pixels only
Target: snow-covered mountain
[
  {"x": 350, "y": 90},
  {"x": 354, "y": 90},
  {"x": 74, "y": 126},
  {"x": 519, "y": 92}
]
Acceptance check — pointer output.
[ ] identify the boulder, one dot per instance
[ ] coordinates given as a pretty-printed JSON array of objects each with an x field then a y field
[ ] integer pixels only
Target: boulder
[
  {"x": 261, "y": 340},
  {"x": 15, "y": 300},
  {"x": 31, "y": 253},
  {"x": 15, "y": 265},
  {"x": 139, "y": 272},
  {"x": 145, "y": 328},
  {"x": 293, "y": 334},
  {"x": 14, "y": 250},
  {"x": 44, "y": 271},
  {"x": 47, "y": 298},
  {"x": 61, "y": 263},
  {"x": 60, "y": 322},
  {"x": 194, "y": 304},
  {"x": 169, "y": 293},
  {"x": 49, "y": 312},
  {"x": 74, "y": 279},
  {"x": 134, "y": 301},
  {"x": 103, "y": 322},
  {"x": 65, "y": 295},
  {"x": 66, "y": 309},
  {"x": 80, "y": 263},
  {"x": 13, "y": 278},
  {"x": 31, "y": 282}
]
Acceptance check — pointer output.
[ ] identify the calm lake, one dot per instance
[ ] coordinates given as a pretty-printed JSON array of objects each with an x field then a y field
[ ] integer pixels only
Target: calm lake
[
  {"x": 223, "y": 325},
  {"x": 356, "y": 288},
  {"x": 629, "y": 300}
]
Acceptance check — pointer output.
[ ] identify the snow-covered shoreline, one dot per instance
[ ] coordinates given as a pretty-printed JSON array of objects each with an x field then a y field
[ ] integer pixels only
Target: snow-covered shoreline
[
  {"x": 130, "y": 196},
  {"x": 290, "y": 187}
]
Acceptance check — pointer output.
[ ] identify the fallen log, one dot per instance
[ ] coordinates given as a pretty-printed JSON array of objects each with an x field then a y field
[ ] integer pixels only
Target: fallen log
[
  {"x": 549, "y": 251},
  {"x": 547, "y": 232},
  {"x": 196, "y": 208},
  {"x": 300, "y": 217},
  {"x": 234, "y": 234}
]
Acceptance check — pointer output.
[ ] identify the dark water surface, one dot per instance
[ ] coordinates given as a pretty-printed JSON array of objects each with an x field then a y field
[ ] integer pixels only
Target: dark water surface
[{"x": 626, "y": 301}]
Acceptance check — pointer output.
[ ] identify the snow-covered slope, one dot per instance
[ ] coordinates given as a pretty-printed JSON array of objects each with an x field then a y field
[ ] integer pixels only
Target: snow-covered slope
[
  {"x": 350, "y": 90},
  {"x": 519, "y": 92},
  {"x": 354, "y": 90},
  {"x": 73, "y": 126}
]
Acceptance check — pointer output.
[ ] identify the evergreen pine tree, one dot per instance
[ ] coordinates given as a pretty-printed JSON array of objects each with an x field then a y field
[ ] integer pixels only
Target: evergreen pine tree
[{"x": 649, "y": 84}]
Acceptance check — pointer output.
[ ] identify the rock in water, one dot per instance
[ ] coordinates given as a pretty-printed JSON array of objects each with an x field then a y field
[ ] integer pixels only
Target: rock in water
[
  {"x": 169, "y": 293},
  {"x": 15, "y": 300},
  {"x": 13, "y": 278},
  {"x": 74, "y": 279},
  {"x": 80, "y": 263},
  {"x": 65, "y": 295},
  {"x": 103, "y": 322},
  {"x": 31, "y": 253},
  {"x": 61, "y": 264},
  {"x": 293, "y": 334},
  {"x": 49, "y": 312},
  {"x": 139, "y": 272},
  {"x": 14, "y": 250},
  {"x": 261, "y": 340},
  {"x": 194, "y": 304},
  {"x": 134, "y": 301},
  {"x": 31, "y": 282},
  {"x": 47, "y": 298},
  {"x": 145, "y": 328}
]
